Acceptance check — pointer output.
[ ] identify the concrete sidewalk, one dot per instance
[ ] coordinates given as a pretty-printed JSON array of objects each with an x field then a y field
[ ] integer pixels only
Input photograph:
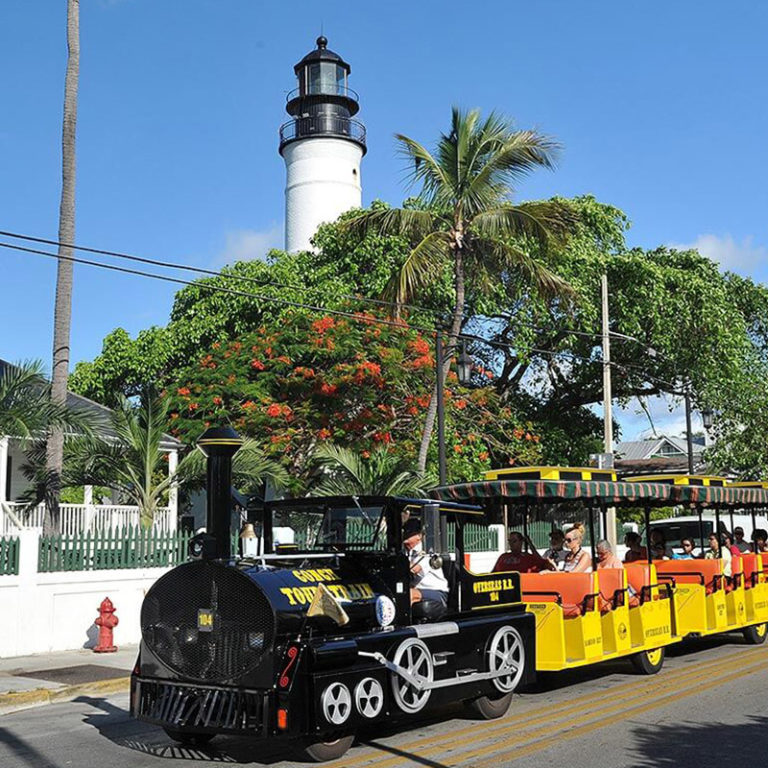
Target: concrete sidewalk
[{"x": 29, "y": 681}]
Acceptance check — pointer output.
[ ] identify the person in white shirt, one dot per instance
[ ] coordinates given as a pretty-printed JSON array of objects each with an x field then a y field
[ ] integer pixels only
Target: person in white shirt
[{"x": 427, "y": 583}]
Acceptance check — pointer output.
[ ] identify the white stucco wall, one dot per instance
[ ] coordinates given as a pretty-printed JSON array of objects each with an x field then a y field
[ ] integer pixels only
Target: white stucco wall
[
  {"x": 322, "y": 181},
  {"x": 42, "y": 612}
]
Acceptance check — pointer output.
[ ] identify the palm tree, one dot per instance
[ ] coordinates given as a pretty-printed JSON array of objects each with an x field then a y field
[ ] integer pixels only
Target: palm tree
[
  {"x": 63, "y": 307},
  {"x": 26, "y": 408},
  {"x": 135, "y": 466},
  {"x": 466, "y": 222},
  {"x": 348, "y": 473}
]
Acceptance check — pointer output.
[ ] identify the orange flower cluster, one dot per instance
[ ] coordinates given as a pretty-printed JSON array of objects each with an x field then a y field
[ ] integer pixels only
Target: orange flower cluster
[
  {"x": 257, "y": 365},
  {"x": 217, "y": 400},
  {"x": 184, "y": 391},
  {"x": 307, "y": 373},
  {"x": 323, "y": 324},
  {"x": 275, "y": 410}
]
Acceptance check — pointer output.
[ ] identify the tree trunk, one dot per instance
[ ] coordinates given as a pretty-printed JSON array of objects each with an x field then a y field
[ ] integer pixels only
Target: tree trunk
[
  {"x": 63, "y": 307},
  {"x": 450, "y": 348}
]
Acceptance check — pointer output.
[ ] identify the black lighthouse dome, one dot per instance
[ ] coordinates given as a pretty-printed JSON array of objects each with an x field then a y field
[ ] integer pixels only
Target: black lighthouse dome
[{"x": 323, "y": 104}]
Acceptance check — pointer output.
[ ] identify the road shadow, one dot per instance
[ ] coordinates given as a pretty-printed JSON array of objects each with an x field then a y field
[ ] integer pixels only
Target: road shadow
[
  {"x": 690, "y": 745},
  {"x": 114, "y": 723},
  {"x": 23, "y": 751}
]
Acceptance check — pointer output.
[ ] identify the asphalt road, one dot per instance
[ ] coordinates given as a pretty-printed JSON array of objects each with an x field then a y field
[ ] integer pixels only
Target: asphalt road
[{"x": 706, "y": 707}]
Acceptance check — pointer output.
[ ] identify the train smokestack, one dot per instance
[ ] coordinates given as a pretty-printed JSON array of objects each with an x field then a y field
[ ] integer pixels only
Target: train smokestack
[{"x": 219, "y": 445}]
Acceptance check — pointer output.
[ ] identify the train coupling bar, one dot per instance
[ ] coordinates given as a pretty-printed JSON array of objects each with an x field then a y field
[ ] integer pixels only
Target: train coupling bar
[{"x": 424, "y": 684}]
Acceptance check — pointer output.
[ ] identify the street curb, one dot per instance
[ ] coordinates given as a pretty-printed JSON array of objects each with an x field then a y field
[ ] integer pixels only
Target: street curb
[{"x": 15, "y": 701}]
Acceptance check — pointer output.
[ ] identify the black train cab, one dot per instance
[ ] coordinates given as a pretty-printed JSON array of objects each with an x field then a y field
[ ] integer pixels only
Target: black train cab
[{"x": 315, "y": 636}]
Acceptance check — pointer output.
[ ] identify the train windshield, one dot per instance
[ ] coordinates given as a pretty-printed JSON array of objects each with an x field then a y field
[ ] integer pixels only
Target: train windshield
[{"x": 324, "y": 527}]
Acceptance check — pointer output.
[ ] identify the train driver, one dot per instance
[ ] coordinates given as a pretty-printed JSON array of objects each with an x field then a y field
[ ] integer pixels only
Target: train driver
[{"x": 427, "y": 583}]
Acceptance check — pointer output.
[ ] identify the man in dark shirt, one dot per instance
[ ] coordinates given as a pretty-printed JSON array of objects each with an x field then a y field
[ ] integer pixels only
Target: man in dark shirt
[{"x": 522, "y": 562}]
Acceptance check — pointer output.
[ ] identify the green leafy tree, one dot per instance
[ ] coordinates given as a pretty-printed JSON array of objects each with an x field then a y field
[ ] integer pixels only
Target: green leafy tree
[
  {"x": 381, "y": 473},
  {"x": 466, "y": 223},
  {"x": 301, "y": 382}
]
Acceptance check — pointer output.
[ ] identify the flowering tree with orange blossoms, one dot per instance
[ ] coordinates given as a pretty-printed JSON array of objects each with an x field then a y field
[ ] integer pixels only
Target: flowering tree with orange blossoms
[{"x": 360, "y": 383}]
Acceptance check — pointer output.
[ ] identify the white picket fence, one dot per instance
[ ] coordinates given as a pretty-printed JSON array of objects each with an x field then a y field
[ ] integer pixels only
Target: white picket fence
[{"x": 81, "y": 518}]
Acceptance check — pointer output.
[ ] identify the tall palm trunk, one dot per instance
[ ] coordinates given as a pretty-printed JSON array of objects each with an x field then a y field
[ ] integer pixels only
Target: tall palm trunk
[
  {"x": 450, "y": 348},
  {"x": 63, "y": 307}
]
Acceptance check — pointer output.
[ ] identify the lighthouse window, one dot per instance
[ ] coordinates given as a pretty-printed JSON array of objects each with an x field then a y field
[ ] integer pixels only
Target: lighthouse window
[{"x": 325, "y": 77}]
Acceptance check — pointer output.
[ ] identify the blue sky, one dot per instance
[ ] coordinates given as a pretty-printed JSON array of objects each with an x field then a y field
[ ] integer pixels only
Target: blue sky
[{"x": 660, "y": 107}]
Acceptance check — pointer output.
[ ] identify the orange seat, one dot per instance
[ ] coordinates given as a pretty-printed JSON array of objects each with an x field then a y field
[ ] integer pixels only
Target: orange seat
[
  {"x": 750, "y": 568},
  {"x": 572, "y": 591},
  {"x": 737, "y": 573},
  {"x": 764, "y": 556},
  {"x": 704, "y": 572},
  {"x": 611, "y": 586},
  {"x": 639, "y": 580}
]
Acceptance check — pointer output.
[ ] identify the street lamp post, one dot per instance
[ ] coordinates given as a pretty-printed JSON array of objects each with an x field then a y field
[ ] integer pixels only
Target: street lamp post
[
  {"x": 440, "y": 386},
  {"x": 688, "y": 435}
]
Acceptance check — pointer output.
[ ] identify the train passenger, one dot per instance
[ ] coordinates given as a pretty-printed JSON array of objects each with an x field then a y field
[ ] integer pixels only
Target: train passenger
[
  {"x": 427, "y": 583},
  {"x": 556, "y": 552},
  {"x": 605, "y": 556},
  {"x": 635, "y": 549},
  {"x": 577, "y": 560},
  {"x": 760, "y": 537},
  {"x": 738, "y": 540},
  {"x": 659, "y": 548},
  {"x": 717, "y": 550},
  {"x": 522, "y": 562},
  {"x": 687, "y": 553},
  {"x": 729, "y": 544}
]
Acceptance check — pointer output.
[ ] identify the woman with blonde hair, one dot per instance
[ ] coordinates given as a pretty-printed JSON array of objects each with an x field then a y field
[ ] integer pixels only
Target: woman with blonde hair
[{"x": 578, "y": 559}]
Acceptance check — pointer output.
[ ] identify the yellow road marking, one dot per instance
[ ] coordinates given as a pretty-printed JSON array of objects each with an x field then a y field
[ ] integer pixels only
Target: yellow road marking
[
  {"x": 543, "y": 714},
  {"x": 589, "y": 727}
]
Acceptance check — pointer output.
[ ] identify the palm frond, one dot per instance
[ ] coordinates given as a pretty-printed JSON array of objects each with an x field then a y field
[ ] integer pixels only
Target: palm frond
[
  {"x": 409, "y": 223},
  {"x": 422, "y": 266},
  {"x": 423, "y": 167},
  {"x": 382, "y": 474},
  {"x": 505, "y": 257},
  {"x": 540, "y": 221}
]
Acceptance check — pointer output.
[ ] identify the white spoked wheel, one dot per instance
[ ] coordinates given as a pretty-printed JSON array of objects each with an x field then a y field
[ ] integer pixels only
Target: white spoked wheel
[
  {"x": 414, "y": 656},
  {"x": 337, "y": 703},
  {"x": 369, "y": 697},
  {"x": 506, "y": 656}
]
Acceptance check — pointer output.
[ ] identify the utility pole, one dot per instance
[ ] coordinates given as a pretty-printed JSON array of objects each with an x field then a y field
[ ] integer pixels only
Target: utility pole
[
  {"x": 610, "y": 516},
  {"x": 688, "y": 435}
]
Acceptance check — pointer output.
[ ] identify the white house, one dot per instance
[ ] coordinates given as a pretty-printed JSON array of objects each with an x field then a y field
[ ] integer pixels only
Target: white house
[{"x": 92, "y": 513}]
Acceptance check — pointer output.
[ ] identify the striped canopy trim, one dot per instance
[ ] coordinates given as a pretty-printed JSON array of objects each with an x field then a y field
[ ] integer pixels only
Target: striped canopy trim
[
  {"x": 722, "y": 497},
  {"x": 542, "y": 491}
]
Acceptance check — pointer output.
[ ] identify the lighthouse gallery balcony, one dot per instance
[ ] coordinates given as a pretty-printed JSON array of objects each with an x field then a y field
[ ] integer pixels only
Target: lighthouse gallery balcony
[{"x": 321, "y": 126}]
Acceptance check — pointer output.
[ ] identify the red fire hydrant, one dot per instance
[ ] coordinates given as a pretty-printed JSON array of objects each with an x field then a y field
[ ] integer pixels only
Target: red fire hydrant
[{"x": 106, "y": 622}]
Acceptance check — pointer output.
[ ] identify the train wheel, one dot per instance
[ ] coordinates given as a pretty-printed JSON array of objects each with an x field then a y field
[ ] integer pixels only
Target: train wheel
[
  {"x": 189, "y": 739},
  {"x": 756, "y": 634},
  {"x": 321, "y": 751},
  {"x": 487, "y": 708},
  {"x": 649, "y": 662},
  {"x": 414, "y": 656}
]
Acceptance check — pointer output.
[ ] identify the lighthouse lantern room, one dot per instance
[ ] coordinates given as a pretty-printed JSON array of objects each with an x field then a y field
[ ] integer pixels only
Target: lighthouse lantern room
[{"x": 322, "y": 146}]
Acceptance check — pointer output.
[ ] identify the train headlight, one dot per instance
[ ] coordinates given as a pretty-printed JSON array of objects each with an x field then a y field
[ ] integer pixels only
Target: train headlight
[{"x": 385, "y": 611}]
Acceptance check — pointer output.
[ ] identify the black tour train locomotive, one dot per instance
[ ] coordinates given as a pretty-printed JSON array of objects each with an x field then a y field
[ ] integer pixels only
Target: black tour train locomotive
[{"x": 316, "y": 636}]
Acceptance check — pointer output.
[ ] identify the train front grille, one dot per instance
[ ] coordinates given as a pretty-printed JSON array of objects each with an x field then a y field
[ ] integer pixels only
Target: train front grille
[{"x": 198, "y": 707}]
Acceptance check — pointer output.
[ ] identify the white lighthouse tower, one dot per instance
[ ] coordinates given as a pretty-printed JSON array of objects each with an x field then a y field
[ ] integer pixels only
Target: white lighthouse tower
[{"x": 322, "y": 146}]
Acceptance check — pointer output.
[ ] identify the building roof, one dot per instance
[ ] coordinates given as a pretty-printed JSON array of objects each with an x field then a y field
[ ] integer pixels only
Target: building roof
[
  {"x": 663, "y": 446},
  {"x": 100, "y": 414}
]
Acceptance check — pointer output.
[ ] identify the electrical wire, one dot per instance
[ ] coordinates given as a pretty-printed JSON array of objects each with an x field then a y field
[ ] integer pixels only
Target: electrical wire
[
  {"x": 210, "y": 272},
  {"x": 218, "y": 288}
]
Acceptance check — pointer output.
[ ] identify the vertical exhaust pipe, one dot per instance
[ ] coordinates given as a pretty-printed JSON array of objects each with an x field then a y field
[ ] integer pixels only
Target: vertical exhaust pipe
[{"x": 219, "y": 445}]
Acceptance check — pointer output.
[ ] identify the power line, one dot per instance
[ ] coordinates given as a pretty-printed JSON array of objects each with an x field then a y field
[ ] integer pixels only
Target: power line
[
  {"x": 210, "y": 272},
  {"x": 274, "y": 283},
  {"x": 295, "y": 304},
  {"x": 220, "y": 289}
]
